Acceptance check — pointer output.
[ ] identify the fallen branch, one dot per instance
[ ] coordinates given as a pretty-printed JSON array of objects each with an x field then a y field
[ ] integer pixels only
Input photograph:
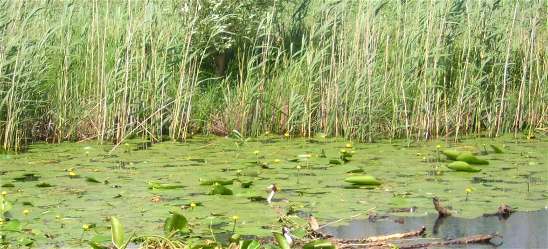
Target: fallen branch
[
  {"x": 442, "y": 211},
  {"x": 504, "y": 211},
  {"x": 376, "y": 239},
  {"x": 475, "y": 239}
]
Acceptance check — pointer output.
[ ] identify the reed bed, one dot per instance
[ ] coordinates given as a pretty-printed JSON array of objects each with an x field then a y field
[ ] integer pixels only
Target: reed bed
[{"x": 364, "y": 70}]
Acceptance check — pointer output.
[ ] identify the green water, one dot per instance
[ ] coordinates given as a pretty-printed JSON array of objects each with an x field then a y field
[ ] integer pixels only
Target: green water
[{"x": 411, "y": 176}]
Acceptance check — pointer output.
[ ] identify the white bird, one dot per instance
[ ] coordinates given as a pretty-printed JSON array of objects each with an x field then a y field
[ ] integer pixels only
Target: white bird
[
  {"x": 287, "y": 235},
  {"x": 272, "y": 190}
]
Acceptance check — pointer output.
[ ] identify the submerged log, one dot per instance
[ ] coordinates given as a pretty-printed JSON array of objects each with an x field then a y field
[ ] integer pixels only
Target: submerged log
[{"x": 503, "y": 212}]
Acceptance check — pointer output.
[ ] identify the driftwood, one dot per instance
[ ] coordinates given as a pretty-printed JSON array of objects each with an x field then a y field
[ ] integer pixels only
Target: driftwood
[
  {"x": 377, "y": 241},
  {"x": 475, "y": 239},
  {"x": 442, "y": 211},
  {"x": 503, "y": 212},
  {"x": 385, "y": 241}
]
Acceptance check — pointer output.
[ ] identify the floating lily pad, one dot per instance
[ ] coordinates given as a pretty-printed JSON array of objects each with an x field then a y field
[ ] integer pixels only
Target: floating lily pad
[
  {"x": 360, "y": 170},
  {"x": 363, "y": 180},
  {"x": 44, "y": 185},
  {"x": 91, "y": 179},
  {"x": 246, "y": 184},
  {"x": 496, "y": 148},
  {"x": 27, "y": 178},
  {"x": 462, "y": 166},
  {"x": 155, "y": 185},
  {"x": 335, "y": 161},
  {"x": 451, "y": 154},
  {"x": 219, "y": 181},
  {"x": 8, "y": 185},
  {"x": 471, "y": 159},
  {"x": 219, "y": 189}
]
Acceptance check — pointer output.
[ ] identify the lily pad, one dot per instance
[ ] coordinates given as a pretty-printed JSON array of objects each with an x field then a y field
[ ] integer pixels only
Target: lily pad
[
  {"x": 91, "y": 179},
  {"x": 155, "y": 185},
  {"x": 219, "y": 181},
  {"x": 363, "y": 180},
  {"x": 451, "y": 154},
  {"x": 471, "y": 159},
  {"x": 219, "y": 189},
  {"x": 462, "y": 166},
  {"x": 496, "y": 148},
  {"x": 44, "y": 185}
]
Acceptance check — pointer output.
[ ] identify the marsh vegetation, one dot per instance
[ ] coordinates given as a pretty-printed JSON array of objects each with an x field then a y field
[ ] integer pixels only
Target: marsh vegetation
[{"x": 232, "y": 123}]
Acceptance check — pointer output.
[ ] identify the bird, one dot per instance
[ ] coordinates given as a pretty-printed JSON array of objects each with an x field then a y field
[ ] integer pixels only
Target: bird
[
  {"x": 272, "y": 189},
  {"x": 287, "y": 235}
]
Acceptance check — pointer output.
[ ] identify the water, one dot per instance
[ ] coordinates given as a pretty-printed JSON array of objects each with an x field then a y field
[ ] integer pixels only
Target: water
[
  {"x": 520, "y": 230},
  {"x": 108, "y": 183}
]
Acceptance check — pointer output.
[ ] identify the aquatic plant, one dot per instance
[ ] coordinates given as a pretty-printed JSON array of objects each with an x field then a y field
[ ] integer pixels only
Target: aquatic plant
[
  {"x": 462, "y": 166},
  {"x": 362, "y": 180},
  {"x": 471, "y": 159},
  {"x": 345, "y": 155}
]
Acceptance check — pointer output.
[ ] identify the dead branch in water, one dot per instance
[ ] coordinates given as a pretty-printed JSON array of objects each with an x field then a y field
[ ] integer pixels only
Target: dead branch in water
[
  {"x": 475, "y": 239},
  {"x": 382, "y": 238},
  {"x": 442, "y": 211},
  {"x": 503, "y": 212}
]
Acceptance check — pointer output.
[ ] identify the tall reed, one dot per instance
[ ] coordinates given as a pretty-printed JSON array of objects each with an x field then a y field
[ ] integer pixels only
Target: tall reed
[{"x": 365, "y": 70}]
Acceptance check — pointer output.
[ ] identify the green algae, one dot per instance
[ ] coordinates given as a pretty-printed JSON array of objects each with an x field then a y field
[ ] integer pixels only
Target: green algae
[{"x": 516, "y": 177}]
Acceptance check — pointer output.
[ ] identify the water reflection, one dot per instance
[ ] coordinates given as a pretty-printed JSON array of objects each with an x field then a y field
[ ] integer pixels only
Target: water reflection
[{"x": 520, "y": 230}]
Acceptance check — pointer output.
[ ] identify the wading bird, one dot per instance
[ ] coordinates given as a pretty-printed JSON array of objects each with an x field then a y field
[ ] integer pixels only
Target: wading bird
[
  {"x": 272, "y": 190},
  {"x": 287, "y": 235}
]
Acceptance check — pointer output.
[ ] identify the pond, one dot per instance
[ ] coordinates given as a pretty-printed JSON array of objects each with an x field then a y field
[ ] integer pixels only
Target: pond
[{"x": 64, "y": 186}]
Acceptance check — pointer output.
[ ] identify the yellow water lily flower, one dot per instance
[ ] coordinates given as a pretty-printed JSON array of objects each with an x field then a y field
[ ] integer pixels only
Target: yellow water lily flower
[
  {"x": 72, "y": 173},
  {"x": 86, "y": 227},
  {"x": 26, "y": 212},
  {"x": 286, "y": 134},
  {"x": 468, "y": 190},
  {"x": 192, "y": 205},
  {"x": 277, "y": 160},
  {"x": 256, "y": 152},
  {"x": 438, "y": 146},
  {"x": 348, "y": 145},
  {"x": 4, "y": 193},
  {"x": 235, "y": 217}
]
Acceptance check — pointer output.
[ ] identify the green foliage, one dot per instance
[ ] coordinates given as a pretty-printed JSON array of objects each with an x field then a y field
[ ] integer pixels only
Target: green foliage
[
  {"x": 359, "y": 69},
  {"x": 117, "y": 232},
  {"x": 176, "y": 222},
  {"x": 462, "y": 166},
  {"x": 219, "y": 189},
  {"x": 363, "y": 180},
  {"x": 319, "y": 244},
  {"x": 280, "y": 239},
  {"x": 451, "y": 154},
  {"x": 471, "y": 159}
]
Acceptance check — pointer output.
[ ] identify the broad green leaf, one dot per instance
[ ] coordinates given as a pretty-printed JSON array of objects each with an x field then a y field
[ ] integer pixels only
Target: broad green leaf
[
  {"x": 12, "y": 226},
  {"x": 282, "y": 243},
  {"x": 250, "y": 244},
  {"x": 175, "y": 222},
  {"x": 462, "y": 166},
  {"x": 117, "y": 231},
  {"x": 319, "y": 244},
  {"x": 363, "y": 180}
]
